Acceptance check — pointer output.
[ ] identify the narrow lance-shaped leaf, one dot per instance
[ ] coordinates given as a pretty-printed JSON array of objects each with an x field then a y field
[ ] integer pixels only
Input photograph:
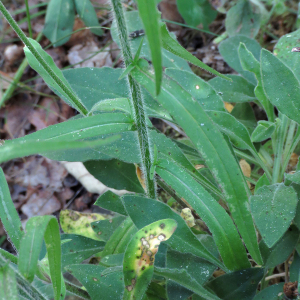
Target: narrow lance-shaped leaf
[
  {"x": 215, "y": 217},
  {"x": 8, "y": 284},
  {"x": 37, "y": 229},
  {"x": 212, "y": 146},
  {"x": 138, "y": 264},
  {"x": 8, "y": 214},
  {"x": 21, "y": 149},
  {"x": 150, "y": 18},
  {"x": 174, "y": 47},
  {"x": 53, "y": 76}
]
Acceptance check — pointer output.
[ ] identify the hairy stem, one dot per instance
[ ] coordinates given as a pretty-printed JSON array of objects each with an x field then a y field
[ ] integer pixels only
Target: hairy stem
[
  {"x": 137, "y": 103},
  {"x": 39, "y": 58}
]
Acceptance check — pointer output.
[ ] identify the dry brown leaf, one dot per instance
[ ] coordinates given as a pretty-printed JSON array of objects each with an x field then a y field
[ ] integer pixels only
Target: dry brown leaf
[
  {"x": 246, "y": 169},
  {"x": 228, "y": 106}
]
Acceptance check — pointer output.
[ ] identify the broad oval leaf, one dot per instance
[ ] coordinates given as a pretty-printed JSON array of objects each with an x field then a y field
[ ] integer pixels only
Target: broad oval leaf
[
  {"x": 138, "y": 264},
  {"x": 281, "y": 85},
  {"x": 273, "y": 208},
  {"x": 59, "y": 21}
]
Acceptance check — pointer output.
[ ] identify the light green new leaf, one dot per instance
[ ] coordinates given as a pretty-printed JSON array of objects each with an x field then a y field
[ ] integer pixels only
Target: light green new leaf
[
  {"x": 150, "y": 18},
  {"x": 211, "y": 212},
  {"x": 174, "y": 47},
  {"x": 53, "y": 77},
  {"x": 242, "y": 19},
  {"x": 37, "y": 229},
  {"x": 183, "y": 240},
  {"x": 8, "y": 284},
  {"x": 21, "y": 148},
  {"x": 9, "y": 215},
  {"x": 59, "y": 21},
  {"x": 280, "y": 85},
  {"x": 229, "y": 50},
  {"x": 183, "y": 278},
  {"x": 210, "y": 143},
  {"x": 239, "y": 90},
  {"x": 195, "y": 12},
  {"x": 88, "y": 15},
  {"x": 263, "y": 131},
  {"x": 237, "y": 285},
  {"x": 138, "y": 264},
  {"x": 263, "y": 180},
  {"x": 273, "y": 208}
]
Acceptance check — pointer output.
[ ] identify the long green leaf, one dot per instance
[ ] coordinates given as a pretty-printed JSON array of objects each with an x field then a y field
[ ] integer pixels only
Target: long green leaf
[
  {"x": 214, "y": 149},
  {"x": 37, "y": 229},
  {"x": 8, "y": 214},
  {"x": 22, "y": 149},
  {"x": 174, "y": 47},
  {"x": 150, "y": 18},
  {"x": 138, "y": 264},
  {"x": 215, "y": 217},
  {"x": 59, "y": 21},
  {"x": 53, "y": 76},
  {"x": 8, "y": 284}
]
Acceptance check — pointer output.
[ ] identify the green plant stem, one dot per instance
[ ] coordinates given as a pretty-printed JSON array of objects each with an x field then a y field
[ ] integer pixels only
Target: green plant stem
[
  {"x": 279, "y": 137},
  {"x": 137, "y": 103},
  {"x": 266, "y": 157},
  {"x": 39, "y": 58},
  {"x": 9, "y": 91},
  {"x": 28, "y": 19},
  {"x": 296, "y": 140}
]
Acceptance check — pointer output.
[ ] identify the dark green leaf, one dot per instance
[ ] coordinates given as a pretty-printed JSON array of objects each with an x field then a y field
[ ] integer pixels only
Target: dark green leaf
[
  {"x": 281, "y": 250},
  {"x": 8, "y": 214},
  {"x": 115, "y": 174},
  {"x": 273, "y": 208},
  {"x": 242, "y": 19},
  {"x": 78, "y": 249},
  {"x": 212, "y": 146},
  {"x": 111, "y": 201},
  {"x": 237, "y": 285},
  {"x": 108, "y": 287},
  {"x": 239, "y": 90},
  {"x": 281, "y": 85},
  {"x": 295, "y": 267},
  {"x": 263, "y": 131},
  {"x": 105, "y": 228},
  {"x": 174, "y": 47},
  {"x": 198, "y": 88},
  {"x": 88, "y": 15},
  {"x": 270, "y": 293},
  {"x": 183, "y": 278},
  {"x": 215, "y": 217},
  {"x": 229, "y": 51},
  {"x": 59, "y": 21},
  {"x": 182, "y": 240},
  {"x": 196, "y": 12}
]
